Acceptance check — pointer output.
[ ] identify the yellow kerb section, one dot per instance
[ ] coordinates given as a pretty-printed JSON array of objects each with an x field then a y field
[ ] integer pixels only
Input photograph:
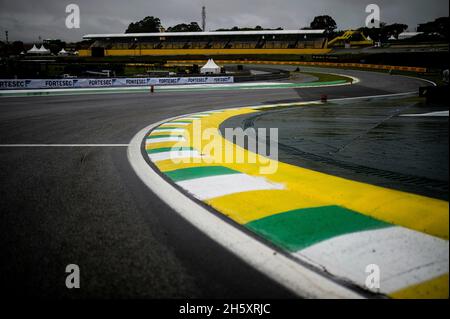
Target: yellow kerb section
[
  {"x": 307, "y": 188},
  {"x": 436, "y": 288}
]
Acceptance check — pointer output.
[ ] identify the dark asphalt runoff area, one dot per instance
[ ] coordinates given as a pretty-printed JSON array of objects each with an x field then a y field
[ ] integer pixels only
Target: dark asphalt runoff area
[{"x": 86, "y": 206}]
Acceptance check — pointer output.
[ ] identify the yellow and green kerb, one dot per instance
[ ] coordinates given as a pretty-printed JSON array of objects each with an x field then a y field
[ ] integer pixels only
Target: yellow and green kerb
[{"x": 332, "y": 223}]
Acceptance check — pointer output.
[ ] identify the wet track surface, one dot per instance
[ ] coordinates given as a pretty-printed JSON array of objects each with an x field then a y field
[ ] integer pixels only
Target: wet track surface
[
  {"x": 369, "y": 141},
  {"x": 85, "y": 205}
]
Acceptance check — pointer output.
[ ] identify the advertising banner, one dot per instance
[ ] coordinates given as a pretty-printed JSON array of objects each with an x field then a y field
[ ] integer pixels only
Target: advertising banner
[{"x": 10, "y": 84}]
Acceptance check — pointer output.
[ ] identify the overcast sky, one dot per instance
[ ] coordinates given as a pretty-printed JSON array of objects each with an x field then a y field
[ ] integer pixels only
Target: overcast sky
[{"x": 26, "y": 20}]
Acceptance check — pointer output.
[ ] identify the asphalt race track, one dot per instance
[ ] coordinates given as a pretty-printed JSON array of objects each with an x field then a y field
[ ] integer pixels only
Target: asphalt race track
[{"x": 85, "y": 205}]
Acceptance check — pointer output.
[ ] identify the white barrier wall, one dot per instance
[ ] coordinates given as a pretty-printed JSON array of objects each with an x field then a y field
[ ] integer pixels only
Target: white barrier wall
[{"x": 108, "y": 82}]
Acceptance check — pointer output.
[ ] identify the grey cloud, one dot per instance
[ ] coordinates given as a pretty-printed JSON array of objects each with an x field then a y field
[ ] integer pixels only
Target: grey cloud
[{"x": 27, "y": 19}]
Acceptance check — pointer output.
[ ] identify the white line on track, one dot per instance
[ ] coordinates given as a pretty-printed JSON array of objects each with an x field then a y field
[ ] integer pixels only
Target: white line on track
[
  {"x": 406, "y": 94},
  {"x": 432, "y": 114},
  {"x": 64, "y": 145}
]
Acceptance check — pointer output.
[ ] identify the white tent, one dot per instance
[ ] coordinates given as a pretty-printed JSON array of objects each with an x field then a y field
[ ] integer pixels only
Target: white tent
[
  {"x": 63, "y": 52},
  {"x": 33, "y": 50},
  {"x": 43, "y": 50},
  {"x": 210, "y": 68}
]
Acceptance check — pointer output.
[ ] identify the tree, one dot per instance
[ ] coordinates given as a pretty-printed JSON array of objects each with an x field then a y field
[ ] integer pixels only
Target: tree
[
  {"x": 146, "y": 25},
  {"x": 324, "y": 22},
  {"x": 54, "y": 45},
  {"x": 439, "y": 26},
  {"x": 183, "y": 27},
  {"x": 376, "y": 34},
  {"x": 395, "y": 29},
  {"x": 384, "y": 32},
  {"x": 257, "y": 28},
  {"x": 3, "y": 48},
  {"x": 17, "y": 47}
]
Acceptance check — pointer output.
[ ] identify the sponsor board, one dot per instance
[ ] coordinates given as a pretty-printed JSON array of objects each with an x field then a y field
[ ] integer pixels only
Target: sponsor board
[{"x": 14, "y": 84}]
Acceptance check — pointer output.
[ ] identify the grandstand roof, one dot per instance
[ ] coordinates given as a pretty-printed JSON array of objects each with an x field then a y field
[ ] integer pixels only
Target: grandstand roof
[{"x": 188, "y": 34}]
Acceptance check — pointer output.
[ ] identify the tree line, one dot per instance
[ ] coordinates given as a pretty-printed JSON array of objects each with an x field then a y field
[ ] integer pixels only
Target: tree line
[
  {"x": 152, "y": 24},
  {"x": 438, "y": 27}
]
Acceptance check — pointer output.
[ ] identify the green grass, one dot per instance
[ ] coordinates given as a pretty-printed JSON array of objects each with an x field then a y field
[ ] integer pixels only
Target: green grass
[{"x": 325, "y": 77}]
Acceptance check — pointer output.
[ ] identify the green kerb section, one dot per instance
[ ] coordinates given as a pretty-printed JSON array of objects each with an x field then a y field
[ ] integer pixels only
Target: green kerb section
[
  {"x": 169, "y": 149},
  {"x": 198, "y": 172},
  {"x": 297, "y": 229}
]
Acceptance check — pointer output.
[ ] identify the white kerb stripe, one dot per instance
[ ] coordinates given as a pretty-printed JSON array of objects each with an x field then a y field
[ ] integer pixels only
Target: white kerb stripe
[
  {"x": 405, "y": 257},
  {"x": 174, "y": 155},
  {"x": 63, "y": 145},
  {"x": 169, "y": 131},
  {"x": 165, "y": 139},
  {"x": 215, "y": 186}
]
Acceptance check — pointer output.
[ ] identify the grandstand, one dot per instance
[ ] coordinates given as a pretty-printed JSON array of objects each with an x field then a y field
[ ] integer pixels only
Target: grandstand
[{"x": 207, "y": 43}]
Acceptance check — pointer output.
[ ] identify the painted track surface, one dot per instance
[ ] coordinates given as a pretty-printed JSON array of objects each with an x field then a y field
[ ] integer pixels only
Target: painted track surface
[{"x": 85, "y": 205}]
